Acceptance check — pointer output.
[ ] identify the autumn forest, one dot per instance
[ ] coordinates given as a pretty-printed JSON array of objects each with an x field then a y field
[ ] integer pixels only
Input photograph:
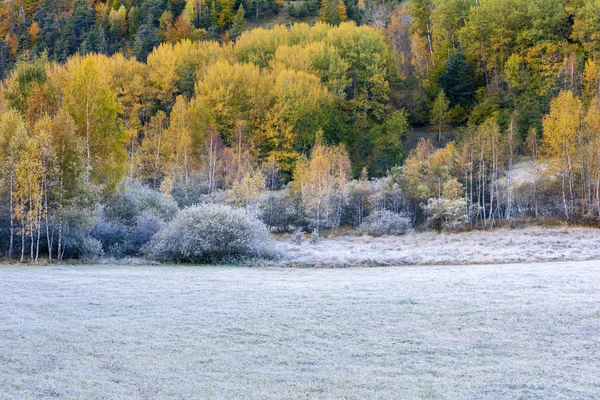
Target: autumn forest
[{"x": 448, "y": 115}]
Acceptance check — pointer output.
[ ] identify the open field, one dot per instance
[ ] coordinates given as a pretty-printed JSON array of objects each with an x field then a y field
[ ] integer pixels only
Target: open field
[
  {"x": 430, "y": 248},
  {"x": 479, "y": 332}
]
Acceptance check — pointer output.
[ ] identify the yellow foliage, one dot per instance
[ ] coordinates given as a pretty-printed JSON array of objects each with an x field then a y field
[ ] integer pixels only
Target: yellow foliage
[{"x": 562, "y": 127}]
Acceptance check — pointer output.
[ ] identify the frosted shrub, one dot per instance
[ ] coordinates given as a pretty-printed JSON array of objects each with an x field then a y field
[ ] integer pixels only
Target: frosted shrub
[
  {"x": 358, "y": 203},
  {"x": 211, "y": 233},
  {"x": 365, "y": 196},
  {"x": 133, "y": 199},
  {"x": 191, "y": 192},
  {"x": 281, "y": 211},
  {"x": 119, "y": 239},
  {"x": 385, "y": 223},
  {"x": 145, "y": 199},
  {"x": 112, "y": 235},
  {"x": 298, "y": 237},
  {"x": 91, "y": 249},
  {"x": 146, "y": 226},
  {"x": 446, "y": 214},
  {"x": 315, "y": 238}
]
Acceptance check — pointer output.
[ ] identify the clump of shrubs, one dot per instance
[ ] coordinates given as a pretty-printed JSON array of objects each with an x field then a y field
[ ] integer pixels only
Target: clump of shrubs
[
  {"x": 446, "y": 214},
  {"x": 385, "y": 222},
  {"x": 133, "y": 199},
  {"x": 304, "y": 9},
  {"x": 112, "y": 236},
  {"x": 211, "y": 233},
  {"x": 298, "y": 237},
  {"x": 91, "y": 249},
  {"x": 129, "y": 219},
  {"x": 449, "y": 212},
  {"x": 281, "y": 211},
  {"x": 146, "y": 226}
]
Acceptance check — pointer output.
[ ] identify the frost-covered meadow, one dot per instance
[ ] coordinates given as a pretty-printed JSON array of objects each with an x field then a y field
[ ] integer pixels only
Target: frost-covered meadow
[
  {"x": 470, "y": 332},
  {"x": 430, "y": 248}
]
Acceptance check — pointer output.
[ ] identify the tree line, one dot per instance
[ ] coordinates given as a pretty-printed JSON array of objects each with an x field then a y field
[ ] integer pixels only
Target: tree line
[
  {"x": 62, "y": 28},
  {"x": 491, "y": 56},
  {"x": 310, "y": 127},
  {"x": 511, "y": 87},
  {"x": 195, "y": 119}
]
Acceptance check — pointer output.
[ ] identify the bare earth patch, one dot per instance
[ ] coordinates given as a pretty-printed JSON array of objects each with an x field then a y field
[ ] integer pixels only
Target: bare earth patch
[
  {"x": 140, "y": 332},
  {"x": 430, "y": 248}
]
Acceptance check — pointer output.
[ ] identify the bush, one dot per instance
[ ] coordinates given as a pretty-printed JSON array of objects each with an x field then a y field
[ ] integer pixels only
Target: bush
[
  {"x": 315, "y": 237},
  {"x": 280, "y": 211},
  {"x": 133, "y": 199},
  {"x": 298, "y": 237},
  {"x": 298, "y": 11},
  {"x": 91, "y": 249},
  {"x": 385, "y": 223},
  {"x": 210, "y": 233},
  {"x": 146, "y": 226},
  {"x": 120, "y": 240},
  {"x": 112, "y": 235},
  {"x": 312, "y": 6},
  {"x": 446, "y": 214},
  {"x": 77, "y": 223},
  {"x": 365, "y": 196}
]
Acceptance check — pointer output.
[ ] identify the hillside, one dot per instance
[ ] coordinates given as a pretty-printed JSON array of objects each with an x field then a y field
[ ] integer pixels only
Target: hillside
[
  {"x": 62, "y": 28},
  {"x": 114, "y": 116}
]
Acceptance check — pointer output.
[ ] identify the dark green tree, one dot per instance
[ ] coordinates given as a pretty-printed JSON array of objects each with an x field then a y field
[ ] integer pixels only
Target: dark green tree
[
  {"x": 145, "y": 40},
  {"x": 75, "y": 31},
  {"x": 457, "y": 80},
  {"x": 386, "y": 142},
  {"x": 239, "y": 23}
]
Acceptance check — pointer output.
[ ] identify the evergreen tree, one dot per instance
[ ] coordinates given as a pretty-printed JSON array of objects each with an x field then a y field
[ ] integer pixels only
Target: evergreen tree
[
  {"x": 75, "y": 31},
  {"x": 239, "y": 23},
  {"x": 49, "y": 26},
  {"x": 457, "y": 80},
  {"x": 145, "y": 40}
]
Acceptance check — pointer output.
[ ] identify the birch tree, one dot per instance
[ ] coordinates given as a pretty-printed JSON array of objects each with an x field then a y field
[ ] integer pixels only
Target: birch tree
[
  {"x": 321, "y": 181},
  {"x": 13, "y": 138},
  {"x": 94, "y": 107},
  {"x": 28, "y": 194},
  {"x": 562, "y": 128}
]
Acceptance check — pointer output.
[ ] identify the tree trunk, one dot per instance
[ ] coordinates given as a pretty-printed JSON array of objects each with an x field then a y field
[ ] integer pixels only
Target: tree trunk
[
  {"x": 22, "y": 243},
  {"x": 598, "y": 185},
  {"x": 32, "y": 235},
  {"x": 510, "y": 169},
  {"x": 571, "y": 194},
  {"x": 39, "y": 233},
  {"x": 564, "y": 196},
  {"x": 59, "y": 240},
  {"x": 429, "y": 42},
  {"x": 12, "y": 217},
  {"x": 131, "y": 153},
  {"x": 88, "y": 164},
  {"x": 48, "y": 239}
]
